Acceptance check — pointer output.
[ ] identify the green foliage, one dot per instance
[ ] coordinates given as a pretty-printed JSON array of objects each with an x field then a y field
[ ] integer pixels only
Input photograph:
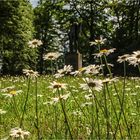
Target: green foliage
[
  {"x": 66, "y": 25},
  {"x": 16, "y": 30},
  {"x": 55, "y": 21},
  {"x": 127, "y": 24},
  {"x": 47, "y": 26}
]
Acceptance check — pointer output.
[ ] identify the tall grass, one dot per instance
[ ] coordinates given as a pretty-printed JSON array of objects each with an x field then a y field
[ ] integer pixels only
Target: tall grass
[{"x": 112, "y": 113}]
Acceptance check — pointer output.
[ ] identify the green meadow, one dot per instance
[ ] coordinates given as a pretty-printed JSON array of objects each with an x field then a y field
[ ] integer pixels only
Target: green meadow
[{"x": 54, "y": 112}]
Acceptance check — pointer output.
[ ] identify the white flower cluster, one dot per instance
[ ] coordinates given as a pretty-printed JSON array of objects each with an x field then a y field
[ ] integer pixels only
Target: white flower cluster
[{"x": 133, "y": 59}]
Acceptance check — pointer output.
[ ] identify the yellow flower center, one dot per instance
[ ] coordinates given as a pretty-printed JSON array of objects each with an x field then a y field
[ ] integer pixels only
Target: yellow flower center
[
  {"x": 13, "y": 92},
  {"x": 82, "y": 69},
  {"x": 104, "y": 51}
]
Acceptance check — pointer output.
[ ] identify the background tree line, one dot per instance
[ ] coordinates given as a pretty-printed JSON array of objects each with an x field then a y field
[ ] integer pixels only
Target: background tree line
[{"x": 57, "y": 22}]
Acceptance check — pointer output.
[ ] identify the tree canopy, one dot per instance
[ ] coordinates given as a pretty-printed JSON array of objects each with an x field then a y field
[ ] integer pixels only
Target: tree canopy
[
  {"x": 66, "y": 26},
  {"x": 16, "y": 29}
]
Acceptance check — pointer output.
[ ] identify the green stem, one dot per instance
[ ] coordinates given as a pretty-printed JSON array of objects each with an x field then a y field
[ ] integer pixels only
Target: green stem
[
  {"x": 123, "y": 100},
  {"x": 69, "y": 88},
  {"x": 85, "y": 115},
  {"x": 139, "y": 67},
  {"x": 65, "y": 115},
  {"x": 102, "y": 109},
  {"x": 97, "y": 117},
  {"x": 25, "y": 104},
  {"x": 36, "y": 110},
  {"x": 55, "y": 115},
  {"x": 99, "y": 48},
  {"x": 15, "y": 108},
  {"x": 77, "y": 124},
  {"x": 92, "y": 118},
  {"x": 52, "y": 67},
  {"x": 106, "y": 113},
  {"x": 114, "y": 109},
  {"x": 122, "y": 104},
  {"x": 109, "y": 70},
  {"x": 102, "y": 65}
]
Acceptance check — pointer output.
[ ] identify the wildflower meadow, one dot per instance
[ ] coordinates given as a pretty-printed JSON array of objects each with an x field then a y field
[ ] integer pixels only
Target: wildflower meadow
[{"x": 67, "y": 104}]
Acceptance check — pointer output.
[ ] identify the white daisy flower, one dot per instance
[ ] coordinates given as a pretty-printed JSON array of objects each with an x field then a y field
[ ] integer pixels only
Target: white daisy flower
[
  {"x": 19, "y": 133},
  {"x": 57, "y": 86},
  {"x": 89, "y": 96},
  {"x": 77, "y": 113},
  {"x": 104, "y": 52},
  {"x": 123, "y": 58},
  {"x": 58, "y": 75},
  {"x": 7, "y": 89},
  {"x": 92, "y": 84},
  {"x": 55, "y": 100},
  {"x": 65, "y": 97},
  {"x": 10, "y": 92},
  {"x": 134, "y": 59},
  {"x": 75, "y": 73},
  {"x": 108, "y": 80},
  {"x": 51, "y": 56},
  {"x": 100, "y": 41},
  {"x": 86, "y": 104},
  {"x": 92, "y": 69},
  {"x": 30, "y": 73},
  {"x": 35, "y": 43},
  {"x": 65, "y": 71}
]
